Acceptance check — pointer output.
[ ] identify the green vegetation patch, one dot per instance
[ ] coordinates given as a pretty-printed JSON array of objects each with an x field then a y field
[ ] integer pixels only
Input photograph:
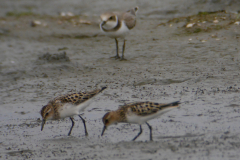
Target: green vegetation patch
[
  {"x": 20, "y": 14},
  {"x": 204, "y": 22}
]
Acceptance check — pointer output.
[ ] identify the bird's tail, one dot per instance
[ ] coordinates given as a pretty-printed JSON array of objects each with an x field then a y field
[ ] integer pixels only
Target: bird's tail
[
  {"x": 88, "y": 98},
  {"x": 94, "y": 92},
  {"x": 103, "y": 88},
  {"x": 133, "y": 11},
  {"x": 170, "y": 105}
]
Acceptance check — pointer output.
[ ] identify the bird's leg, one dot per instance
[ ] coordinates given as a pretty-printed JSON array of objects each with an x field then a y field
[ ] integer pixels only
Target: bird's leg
[
  {"x": 123, "y": 50},
  {"x": 86, "y": 133},
  {"x": 69, "y": 133},
  {"x": 140, "y": 132},
  {"x": 150, "y": 128},
  {"x": 117, "y": 56}
]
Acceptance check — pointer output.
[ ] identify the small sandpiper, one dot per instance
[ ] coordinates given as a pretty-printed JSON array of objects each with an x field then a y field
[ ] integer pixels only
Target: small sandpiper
[
  {"x": 117, "y": 25},
  {"x": 137, "y": 113},
  {"x": 67, "y": 106}
]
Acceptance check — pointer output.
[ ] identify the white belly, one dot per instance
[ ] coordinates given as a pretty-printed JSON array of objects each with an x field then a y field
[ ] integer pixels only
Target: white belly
[
  {"x": 133, "y": 118},
  {"x": 121, "y": 33},
  {"x": 68, "y": 109}
]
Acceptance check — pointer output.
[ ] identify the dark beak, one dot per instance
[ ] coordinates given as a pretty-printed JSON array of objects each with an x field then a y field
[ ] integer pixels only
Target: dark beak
[
  {"x": 103, "y": 23},
  {"x": 43, "y": 122},
  {"x": 104, "y": 128}
]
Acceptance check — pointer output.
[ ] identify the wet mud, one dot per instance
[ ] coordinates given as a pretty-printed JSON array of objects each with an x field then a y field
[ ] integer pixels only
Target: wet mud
[{"x": 185, "y": 50}]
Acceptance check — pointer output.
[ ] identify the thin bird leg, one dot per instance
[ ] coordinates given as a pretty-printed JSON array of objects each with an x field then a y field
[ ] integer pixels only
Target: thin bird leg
[
  {"x": 140, "y": 132},
  {"x": 150, "y": 128},
  {"x": 86, "y": 133},
  {"x": 69, "y": 133},
  {"x": 117, "y": 56},
  {"x": 123, "y": 50}
]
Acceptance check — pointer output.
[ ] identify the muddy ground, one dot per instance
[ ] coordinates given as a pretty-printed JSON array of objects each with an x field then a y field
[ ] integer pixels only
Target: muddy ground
[{"x": 184, "y": 50}]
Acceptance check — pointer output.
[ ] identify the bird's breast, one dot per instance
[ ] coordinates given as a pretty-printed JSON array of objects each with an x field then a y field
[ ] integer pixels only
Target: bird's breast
[{"x": 120, "y": 32}]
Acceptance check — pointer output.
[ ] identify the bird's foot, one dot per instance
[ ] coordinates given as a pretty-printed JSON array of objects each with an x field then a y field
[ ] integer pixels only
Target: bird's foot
[
  {"x": 116, "y": 57},
  {"x": 123, "y": 59}
]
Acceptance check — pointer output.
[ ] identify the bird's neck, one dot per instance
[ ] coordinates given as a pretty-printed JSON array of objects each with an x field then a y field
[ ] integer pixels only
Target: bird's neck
[
  {"x": 120, "y": 116},
  {"x": 111, "y": 27}
]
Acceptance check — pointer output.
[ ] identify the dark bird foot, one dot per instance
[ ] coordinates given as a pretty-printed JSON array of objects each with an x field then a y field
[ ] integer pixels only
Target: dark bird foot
[
  {"x": 123, "y": 59},
  {"x": 116, "y": 57}
]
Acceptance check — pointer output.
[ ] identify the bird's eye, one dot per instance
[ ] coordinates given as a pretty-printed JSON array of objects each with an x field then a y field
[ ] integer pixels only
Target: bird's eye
[
  {"x": 46, "y": 114},
  {"x": 106, "y": 121},
  {"x": 111, "y": 18}
]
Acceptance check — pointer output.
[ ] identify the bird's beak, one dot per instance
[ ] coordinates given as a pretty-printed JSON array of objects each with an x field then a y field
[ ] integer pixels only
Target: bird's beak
[
  {"x": 104, "y": 128},
  {"x": 103, "y": 23},
  {"x": 43, "y": 122}
]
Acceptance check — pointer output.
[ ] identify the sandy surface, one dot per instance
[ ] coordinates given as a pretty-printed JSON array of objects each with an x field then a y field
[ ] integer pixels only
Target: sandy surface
[{"x": 165, "y": 62}]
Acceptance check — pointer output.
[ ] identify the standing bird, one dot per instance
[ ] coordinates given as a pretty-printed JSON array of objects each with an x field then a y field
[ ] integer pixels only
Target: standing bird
[
  {"x": 67, "y": 106},
  {"x": 117, "y": 25},
  {"x": 137, "y": 113}
]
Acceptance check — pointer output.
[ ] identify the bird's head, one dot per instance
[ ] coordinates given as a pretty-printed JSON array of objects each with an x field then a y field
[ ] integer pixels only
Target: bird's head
[
  {"x": 109, "y": 20},
  {"x": 47, "y": 113},
  {"x": 109, "y": 119}
]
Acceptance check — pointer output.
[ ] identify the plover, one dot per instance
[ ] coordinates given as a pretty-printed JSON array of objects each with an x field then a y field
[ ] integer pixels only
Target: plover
[
  {"x": 117, "y": 25},
  {"x": 137, "y": 113},
  {"x": 67, "y": 106}
]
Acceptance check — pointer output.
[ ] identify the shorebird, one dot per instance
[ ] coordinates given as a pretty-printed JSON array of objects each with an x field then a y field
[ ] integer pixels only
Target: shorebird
[
  {"x": 117, "y": 25},
  {"x": 67, "y": 106},
  {"x": 137, "y": 113}
]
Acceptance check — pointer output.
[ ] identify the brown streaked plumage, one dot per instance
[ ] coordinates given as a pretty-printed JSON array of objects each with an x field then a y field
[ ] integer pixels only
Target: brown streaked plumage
[
  {"x": 138, "y": 113},
  {"x": 68, "y": 105},
  {"x": 117, "y": 25}
]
